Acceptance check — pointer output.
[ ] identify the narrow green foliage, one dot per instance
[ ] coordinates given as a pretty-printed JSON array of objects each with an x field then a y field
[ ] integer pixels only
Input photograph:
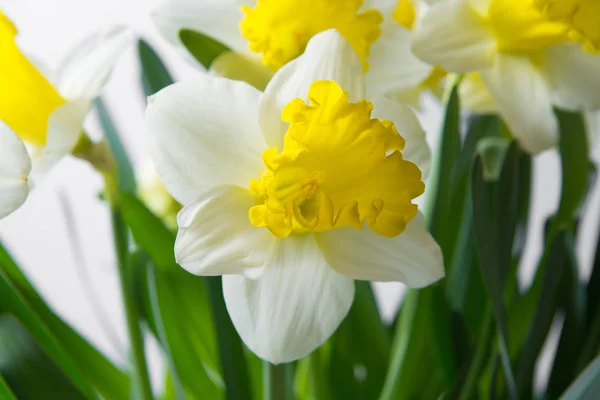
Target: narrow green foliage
[
  {"x": 59, "y": 340},
  {"x": 587, "y": 385},
  {"x": 5, "y": 391},
  {"x": 495, "y": 215},
  {"x": 203, "y": 48},
  {"x": 25, "y": 366},
  {"x": 359, "y": 350},
  {"x": 125, "y": 175},
  {"x": 154, "y": 74},
  {"x": 233, "y": 362}
]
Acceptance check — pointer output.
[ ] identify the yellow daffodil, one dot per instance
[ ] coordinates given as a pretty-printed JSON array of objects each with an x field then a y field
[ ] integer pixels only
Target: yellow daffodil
[
  {"x": 525, "y": 56},
  {"x": 47, "y": 114},
  {"x": 273, "y": 32},
  {"x": 293, "y": 193}
]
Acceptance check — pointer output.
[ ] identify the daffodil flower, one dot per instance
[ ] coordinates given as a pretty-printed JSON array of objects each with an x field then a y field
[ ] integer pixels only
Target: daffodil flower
[
  {"x": 293, "y": 193},
  {"x": 15, "y": 166},
  {"x": 274, "y": 32},
  {"x": 47, "y": 117},
  {"x": 527, "y": 61}
]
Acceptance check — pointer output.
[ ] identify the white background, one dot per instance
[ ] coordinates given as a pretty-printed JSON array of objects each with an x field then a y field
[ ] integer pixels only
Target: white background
[{"x": 37, "y": 233}]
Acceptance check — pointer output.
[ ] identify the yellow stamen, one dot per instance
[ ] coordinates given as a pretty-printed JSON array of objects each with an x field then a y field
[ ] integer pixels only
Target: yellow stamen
[
  {"x": 338, "y": 168},
  {"x": 581, "y": 18},
  {"x": 26, "y": 98},
  {"x": 280, "y": 29}
]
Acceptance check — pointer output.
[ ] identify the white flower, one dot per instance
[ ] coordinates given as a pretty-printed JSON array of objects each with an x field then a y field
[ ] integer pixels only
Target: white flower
[
  {"x": 15, "y": 166},
  {"x": 48, "y": 117},
  {"x": 276, "y": 31},
  {"x": 527, "y": 61},
  {"x": 277, "y": 194}
]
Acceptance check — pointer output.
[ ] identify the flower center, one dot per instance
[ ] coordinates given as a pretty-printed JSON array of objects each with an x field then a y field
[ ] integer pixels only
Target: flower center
[
  {"x": 520, "y": 27},
  {"x": 26, "y": 98},
  {"x": 405, "y": 13},
  {"x": 581, "y": 18},
  {"x": 338, "y": 168},
  {"x": 280, "y": 29}
]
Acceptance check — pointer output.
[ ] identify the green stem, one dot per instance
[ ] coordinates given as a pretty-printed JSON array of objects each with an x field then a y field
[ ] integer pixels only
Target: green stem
[
  {"x": 273, "y": 381},
  {"x": 479, "y": 359},
  {"x": 121, "y": 242}
]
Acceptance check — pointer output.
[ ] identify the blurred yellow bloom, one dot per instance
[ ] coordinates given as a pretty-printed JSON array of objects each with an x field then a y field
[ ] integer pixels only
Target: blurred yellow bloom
[
  {"x": 271, "y": 33},
  {"x": 280, "y": 29},
  {"x": 525, "y": 58},
  {"x": 48, "y": 117},
  {"x": 26, "y": 99},
  {"x": 581, "y": 17}
]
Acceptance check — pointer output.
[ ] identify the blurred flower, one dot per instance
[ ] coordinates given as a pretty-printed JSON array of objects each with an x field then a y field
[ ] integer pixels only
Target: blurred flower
[
  {"x": 156, "y": 197},
  {"x": 270, "y": 33},
  {"x": 526, "y": 61},
  {"x": 581, "y": 18},
  {"x": 48, "y": 117},
  {"x": 15, "y": 166},
  {"x": 278, "y": 193}
]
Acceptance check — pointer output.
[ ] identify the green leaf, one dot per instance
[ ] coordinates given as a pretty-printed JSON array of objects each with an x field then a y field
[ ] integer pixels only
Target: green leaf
[
  {"x": 422, "y": 356},
  {"x": 5, "y": 392},
  {"x": 572, "y": 335},
  {"x": 154, "y": 74},
  {"x": 592, "y": 340},
  {"x": 553, "y": 262},
  {"x": 440, "y": 181},
  {"x": 587, "y": 385},
  {"x": 149, "y": 232},
  {"x": 176, "y": 305},
  {"x": 13, "y": 302},
  {"x": 30, "y": 373},
  {"x": 183, "y": 324},
  {"x": 125, "y": 174},
  {"x": 231, "y": 350},
  {"x": 359, "y": 350},
  {"x": 204, "y": 49},
  {"x": 495, "y": 214},
  {"x": 55, "y": 336},
  {"x": 462, "y": 276},
  {"x": 575, "y": 166}
]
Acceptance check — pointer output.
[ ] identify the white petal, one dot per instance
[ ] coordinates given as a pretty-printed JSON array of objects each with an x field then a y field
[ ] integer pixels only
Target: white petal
[
  {"x": 216, "y": 237},
  {"x": 574, "y": 76},
  {"x": 523, "y": 100},
  {"x": 416, "y": 149},
  {"x": 328, "y": 56},
  {"x": 85, "y": 70},
  {"x": 204, "y": 133},
  {"x": 413, "y": 257},
  {"x": 392, "y": 65},
  {"x": 294, "y": 307},
  {"x": 453, "y": 36},
  {"x": 15, "y": 166},
  {"x": 64, "y": 129},
  {"x": 218, "y": 19}
]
